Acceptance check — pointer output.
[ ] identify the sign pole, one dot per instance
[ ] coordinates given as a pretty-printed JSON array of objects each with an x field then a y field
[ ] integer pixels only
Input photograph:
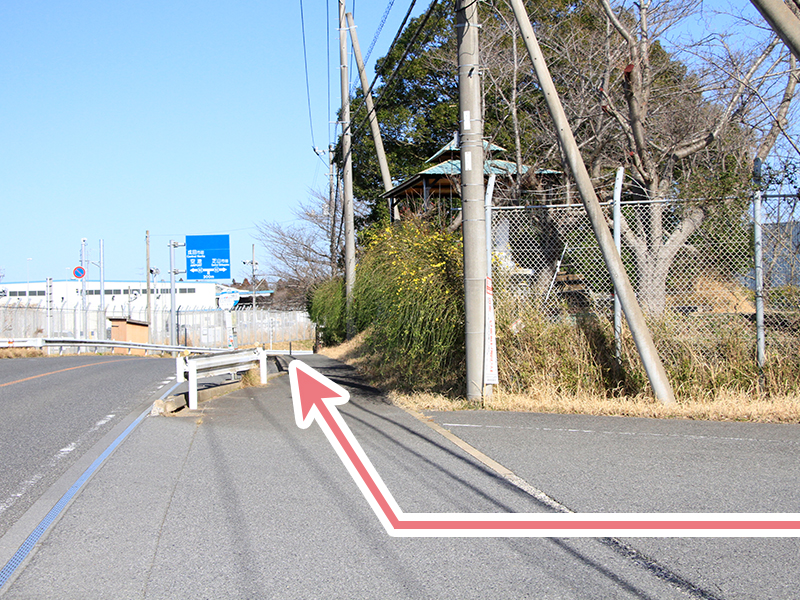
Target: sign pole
[{"x": 173, "y": 318}]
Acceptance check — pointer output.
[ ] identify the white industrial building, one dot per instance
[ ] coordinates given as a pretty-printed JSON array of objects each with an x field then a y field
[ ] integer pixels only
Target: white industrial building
[
  {"x": 117, "y": 297},
  {"x": 72, "y": 309}
]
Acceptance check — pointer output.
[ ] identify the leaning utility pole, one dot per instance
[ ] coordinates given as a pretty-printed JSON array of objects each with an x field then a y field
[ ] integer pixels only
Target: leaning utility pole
[
  {"x": 782, "y": 20},
  {"x": 619, "y": 277},
  {"x": 347, "y": 177},
  {"x": 472, "y": 200},
  {"x": 373, "y": 118}
]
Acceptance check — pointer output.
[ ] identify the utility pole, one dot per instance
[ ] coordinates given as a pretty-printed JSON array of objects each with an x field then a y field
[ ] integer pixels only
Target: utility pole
[
  {"x": 373, "y": 118},
  {"x": 782, "y": 20},
  {"x": 619, "y": 277},
  {"x": 347, "y": 177},
  {"x": 102, "y": 278},
  {"x": 147, "y": 273},
  {"x": 101, "y": 321},
  {"x": 254, "y": 264},
  {"x": 85, "y": 265},
  {"x": 472, "y": 197}
]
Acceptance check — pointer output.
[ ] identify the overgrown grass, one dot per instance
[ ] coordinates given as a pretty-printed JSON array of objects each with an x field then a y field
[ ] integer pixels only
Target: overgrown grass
[
  {"x": 326, "y": 308},
  {"x": 577, "y": 356},
  {"x": 408, "y": 299},
  {"x": 20, "y": 352},
  {"x": 408, "y": 305}
]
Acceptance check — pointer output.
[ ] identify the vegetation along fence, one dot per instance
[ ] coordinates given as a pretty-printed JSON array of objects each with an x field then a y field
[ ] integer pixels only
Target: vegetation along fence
[{"x": 690, "y": 263}]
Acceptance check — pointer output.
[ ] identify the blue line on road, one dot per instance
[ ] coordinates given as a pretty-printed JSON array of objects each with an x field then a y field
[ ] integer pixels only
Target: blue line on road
[{"x": 28, "y": 545}]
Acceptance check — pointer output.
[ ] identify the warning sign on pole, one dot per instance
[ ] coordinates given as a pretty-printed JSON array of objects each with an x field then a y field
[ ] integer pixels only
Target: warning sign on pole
[{"x": 490, "y": 375}]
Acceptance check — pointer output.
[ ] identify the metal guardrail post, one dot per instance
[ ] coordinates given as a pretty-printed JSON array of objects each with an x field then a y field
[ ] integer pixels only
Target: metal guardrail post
[
  {"x": 262, "y": 365},
  {"x": 192, "y": 368}
]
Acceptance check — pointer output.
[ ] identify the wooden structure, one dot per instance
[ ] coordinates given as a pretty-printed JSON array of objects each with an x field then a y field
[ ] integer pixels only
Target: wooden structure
[{"x": 128, "y": 330}]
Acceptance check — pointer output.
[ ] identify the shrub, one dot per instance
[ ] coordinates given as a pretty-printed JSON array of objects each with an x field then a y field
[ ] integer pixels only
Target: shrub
[
  {"x": 409, "y": 296},
  {"x": 326, "y": 309}
]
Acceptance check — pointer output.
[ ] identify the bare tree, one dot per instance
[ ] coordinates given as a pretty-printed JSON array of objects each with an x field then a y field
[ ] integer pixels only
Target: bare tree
[
  {"x": 309, "y": 249},
  {"x": 679, "y": 126}
]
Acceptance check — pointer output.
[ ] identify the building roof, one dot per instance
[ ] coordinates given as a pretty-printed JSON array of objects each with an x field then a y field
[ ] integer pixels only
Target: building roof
[{"x": 440, "y": 176}]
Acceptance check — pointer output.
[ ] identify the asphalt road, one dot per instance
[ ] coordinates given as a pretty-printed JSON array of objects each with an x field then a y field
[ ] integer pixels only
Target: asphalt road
[{"x": 55, "y": 408}]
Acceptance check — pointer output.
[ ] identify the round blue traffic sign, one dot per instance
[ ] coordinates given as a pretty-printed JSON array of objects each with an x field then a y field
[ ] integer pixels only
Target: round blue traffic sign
[{"x": 79, "y": 272}]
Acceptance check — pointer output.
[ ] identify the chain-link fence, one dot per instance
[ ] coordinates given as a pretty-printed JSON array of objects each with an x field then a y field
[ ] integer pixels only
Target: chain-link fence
[
  {"x": 690, "y": 263},
  {"x": 206, "y": 328}
]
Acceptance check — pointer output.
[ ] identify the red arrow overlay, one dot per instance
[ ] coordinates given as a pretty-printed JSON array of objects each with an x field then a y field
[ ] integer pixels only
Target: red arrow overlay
[{"x": 316, "y": 397}]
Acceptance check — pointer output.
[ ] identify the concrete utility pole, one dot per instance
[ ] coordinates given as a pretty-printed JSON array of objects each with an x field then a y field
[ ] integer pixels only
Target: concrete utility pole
[
  {"x": 254, "y": 264},
  {"x": 347, "y": 176},
  {"x": 472, "y": 198},
  {"x": 102, "y": 278},
  {"x": 630, "y": 305},
  {"x": 783, "y": 22},
  {"x": 373, "y": 118}
]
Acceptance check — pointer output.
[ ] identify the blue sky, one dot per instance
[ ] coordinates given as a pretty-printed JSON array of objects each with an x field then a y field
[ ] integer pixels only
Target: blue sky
[
  {"x": 174, "y": 117},
  {"x": 181, "y": 118}
]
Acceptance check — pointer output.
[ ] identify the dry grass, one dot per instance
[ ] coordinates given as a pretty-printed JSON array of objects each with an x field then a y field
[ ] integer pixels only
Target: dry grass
[
  {"x": 354, "y": 353},
  {"x": 20, "y": 352},
  {"x": 723, "y": 406},
  {"x": 251, "y": 378}
]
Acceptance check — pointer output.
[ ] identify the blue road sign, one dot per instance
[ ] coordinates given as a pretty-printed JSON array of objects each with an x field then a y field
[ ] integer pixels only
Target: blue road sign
[
  {"x": 79, "y": 272},
  {"x": 208, "y": 257}
]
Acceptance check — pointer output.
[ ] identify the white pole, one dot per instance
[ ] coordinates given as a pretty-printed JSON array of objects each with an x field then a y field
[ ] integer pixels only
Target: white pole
[
  {"x": 758, "y": 260},
  {"x": 618, "y": 244}
]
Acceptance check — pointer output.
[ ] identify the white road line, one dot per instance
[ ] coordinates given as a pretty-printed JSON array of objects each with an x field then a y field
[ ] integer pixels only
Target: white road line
[
  {"x": 630, "y": 433},
  {"x": 25, "y": 486}
]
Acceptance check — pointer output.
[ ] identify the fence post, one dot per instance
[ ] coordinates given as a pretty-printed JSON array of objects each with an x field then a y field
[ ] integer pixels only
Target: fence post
[
  {"x": 262, "y": 364},
  {"x": 758, "y": 259},
  {"x": 618, "y": 243}
]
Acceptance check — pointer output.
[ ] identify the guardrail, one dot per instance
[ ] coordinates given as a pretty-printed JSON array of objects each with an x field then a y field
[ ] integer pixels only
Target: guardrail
[
  {"x": 68, "y": 342},
  {"x": 190, "y": 367},
  {"x": 217, "y": 361}
]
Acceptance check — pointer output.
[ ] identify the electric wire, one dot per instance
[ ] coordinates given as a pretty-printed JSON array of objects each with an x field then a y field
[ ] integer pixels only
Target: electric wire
[
  {"x": 398, "y": 66},
  {"x": 378, "y": 32},
  {"x": 308, "y": 86},
  {"x": 372, "y": 44}
]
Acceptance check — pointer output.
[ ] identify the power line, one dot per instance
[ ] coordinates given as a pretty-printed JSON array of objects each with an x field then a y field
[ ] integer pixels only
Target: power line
[
  {"x": 378, "y": 33},
  {"x": 308, "y": 87},
  {"x": 389, "y": 80}
]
